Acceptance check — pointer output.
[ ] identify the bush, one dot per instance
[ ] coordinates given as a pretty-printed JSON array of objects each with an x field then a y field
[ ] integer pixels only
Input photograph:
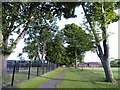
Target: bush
[{"x": 115, "y": 63}]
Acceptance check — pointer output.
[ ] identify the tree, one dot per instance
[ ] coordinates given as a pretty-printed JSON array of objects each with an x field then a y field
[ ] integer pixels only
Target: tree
[
  {"x": 38, "y": 37},
  {"x": 55, "y": 51},
  {"x": 78, "y": 41},
  {"x": 99, "y": 15}
]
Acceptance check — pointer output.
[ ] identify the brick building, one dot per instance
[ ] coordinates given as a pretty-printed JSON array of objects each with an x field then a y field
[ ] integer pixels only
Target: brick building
[{"x": 90, "y": 64}]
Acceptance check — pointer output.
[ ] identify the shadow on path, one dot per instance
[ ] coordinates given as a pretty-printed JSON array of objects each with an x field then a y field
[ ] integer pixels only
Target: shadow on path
[
  {"x": 54, "y": 82},
  {"x": 60, "y": 79}
]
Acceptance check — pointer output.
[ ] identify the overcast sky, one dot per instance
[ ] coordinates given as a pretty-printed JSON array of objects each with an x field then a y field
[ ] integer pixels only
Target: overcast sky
[{"x": 89, "y": 57}]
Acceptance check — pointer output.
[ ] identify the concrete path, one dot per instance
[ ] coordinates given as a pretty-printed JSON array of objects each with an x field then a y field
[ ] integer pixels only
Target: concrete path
[{"x": 53, "y": 83}]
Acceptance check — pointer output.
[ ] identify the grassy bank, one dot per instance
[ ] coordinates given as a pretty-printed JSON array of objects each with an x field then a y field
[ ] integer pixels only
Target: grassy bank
[
  {"x": 88, "y": 78},
  {"x": 37, "y": 81}
]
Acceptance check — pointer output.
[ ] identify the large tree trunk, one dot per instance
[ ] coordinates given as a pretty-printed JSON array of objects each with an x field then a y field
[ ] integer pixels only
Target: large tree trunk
[
  {"x": 0, "y": 60},
  {"x": 4, "y": 65},
  {"x": 108, "y": 71},
  {"x": 4, "y": 68},
  {"x": 106, "y": 65},
  {"x": 43, "y": 53},
  {"x": 5, "y": 55}
]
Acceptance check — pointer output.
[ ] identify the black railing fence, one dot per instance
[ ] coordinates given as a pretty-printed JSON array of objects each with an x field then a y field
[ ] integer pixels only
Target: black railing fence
[{"x": 17, "y": 72}]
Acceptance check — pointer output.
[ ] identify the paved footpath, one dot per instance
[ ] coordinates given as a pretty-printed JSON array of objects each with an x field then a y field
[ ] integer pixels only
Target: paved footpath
[{"x": 54, "y": 82}]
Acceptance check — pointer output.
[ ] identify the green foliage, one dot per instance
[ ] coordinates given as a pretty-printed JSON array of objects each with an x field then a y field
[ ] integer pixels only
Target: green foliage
[
  {"x": 78, "y": 41},
  {"x": 115, "y": 63},
  {"x": 66, "y": 9},
  {"x": 94, "y": 11},
  {"x": 55, "y": 51},
  {"x": 97, "y": 19},
  {"x": 37, "y": 20},
  {"x": 39, "y": 35},
  {"x": 16, "y": 15}
]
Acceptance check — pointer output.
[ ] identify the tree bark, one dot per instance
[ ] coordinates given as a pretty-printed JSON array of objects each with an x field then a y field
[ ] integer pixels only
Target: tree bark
[
  {"x": 106, "y": 65},
  {"x": 43, "y": 52},
  {"x": 4, "y": 66},
  {"x": 5, "y": 55}
]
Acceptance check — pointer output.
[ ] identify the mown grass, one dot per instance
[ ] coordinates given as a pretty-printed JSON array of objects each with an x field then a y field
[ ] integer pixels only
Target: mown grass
[
  {"x": 37, "y": 81},
  {"x": 88, "y": 78}
]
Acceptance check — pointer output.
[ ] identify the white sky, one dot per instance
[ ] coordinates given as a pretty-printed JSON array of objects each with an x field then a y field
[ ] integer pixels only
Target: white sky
[{"x": 89, "y": 57}]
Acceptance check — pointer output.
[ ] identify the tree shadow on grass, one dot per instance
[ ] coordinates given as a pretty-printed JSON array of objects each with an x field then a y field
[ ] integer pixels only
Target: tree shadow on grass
[{"x": 73, "y": 80}]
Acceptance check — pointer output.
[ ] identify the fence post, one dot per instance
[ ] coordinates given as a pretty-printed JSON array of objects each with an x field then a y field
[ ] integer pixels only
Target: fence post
[
  {"x": 29, "y": 66},
  {"x": 46, "y": 68},
  {"x": 43, "y": 67},
  {"x": 38, "y": 68},
  {"x": 50, "y": 66},
  {"x": 54, "y": 66},
  {"x": 57, "y": 65},
  {"x": 13, "y": 75}
]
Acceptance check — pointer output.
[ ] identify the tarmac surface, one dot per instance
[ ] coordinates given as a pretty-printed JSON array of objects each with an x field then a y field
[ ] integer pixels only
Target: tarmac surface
[{"x": 52, "y": 83}]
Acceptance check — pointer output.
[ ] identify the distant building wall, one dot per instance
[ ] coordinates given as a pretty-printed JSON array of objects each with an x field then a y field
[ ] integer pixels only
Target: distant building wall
[{"x": 90, "y": 64}]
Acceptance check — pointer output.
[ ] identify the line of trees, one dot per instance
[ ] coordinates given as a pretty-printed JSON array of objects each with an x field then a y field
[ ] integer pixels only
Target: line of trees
[
  {"x": 17, "y": 15},
  {"x": 36, "y": 23}
]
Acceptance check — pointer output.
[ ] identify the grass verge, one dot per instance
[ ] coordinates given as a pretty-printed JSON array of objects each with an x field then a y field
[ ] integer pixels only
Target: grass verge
[{"x": 88, "y": 78}]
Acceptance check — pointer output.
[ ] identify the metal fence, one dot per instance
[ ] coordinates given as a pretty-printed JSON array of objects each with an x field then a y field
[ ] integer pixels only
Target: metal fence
[{"x": 18, "y": 72}]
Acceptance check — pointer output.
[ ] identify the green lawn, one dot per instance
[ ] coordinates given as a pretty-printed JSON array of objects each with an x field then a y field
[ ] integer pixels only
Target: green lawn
[
  {"x": 88, "y": 78},
  {"x": 37, "y": 81},
  {"x": 74, "y": 78}
]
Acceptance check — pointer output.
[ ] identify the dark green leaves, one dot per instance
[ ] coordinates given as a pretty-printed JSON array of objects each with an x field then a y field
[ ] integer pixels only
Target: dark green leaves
[{"x": 77, "y": 39}]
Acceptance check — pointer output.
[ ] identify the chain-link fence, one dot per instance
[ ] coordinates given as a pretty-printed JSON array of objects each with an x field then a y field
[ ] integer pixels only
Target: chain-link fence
[{"x": 19, "y": 71}]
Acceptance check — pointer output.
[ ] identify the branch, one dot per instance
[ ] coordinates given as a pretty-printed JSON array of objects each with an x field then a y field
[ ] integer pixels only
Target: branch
[
  {"x": 20, "y": 36},
  {"x": 100, "y": 54},
  {"x": 105, "y": 45},
  {"x": 25, "y": 29},
  {"x": 97, "y": 52},
  {"x": 14, "y": 17},
  {"x": 96, "y": 38},
  {"x": 43, "y": 18},
  {"x": 100, "y": 51},
  {"x": 16, "y": 27}
]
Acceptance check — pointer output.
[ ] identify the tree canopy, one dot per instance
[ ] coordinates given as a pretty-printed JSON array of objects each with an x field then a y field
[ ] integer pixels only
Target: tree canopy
[{"x": 17, "y": 15}]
